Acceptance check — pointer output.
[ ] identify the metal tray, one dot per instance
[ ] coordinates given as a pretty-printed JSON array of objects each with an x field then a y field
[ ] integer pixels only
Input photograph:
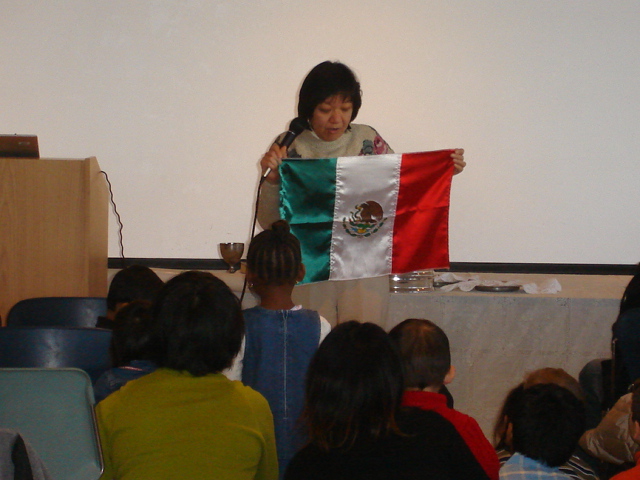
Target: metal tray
[{"x": 497, "y": 288}]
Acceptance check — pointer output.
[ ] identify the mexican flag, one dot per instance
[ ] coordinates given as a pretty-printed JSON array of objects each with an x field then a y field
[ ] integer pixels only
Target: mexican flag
[{"x": 366, "y": 216}]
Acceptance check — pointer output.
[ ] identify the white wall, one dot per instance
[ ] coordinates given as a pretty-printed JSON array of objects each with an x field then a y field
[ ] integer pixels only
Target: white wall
[{"x": 179, "y": 99}]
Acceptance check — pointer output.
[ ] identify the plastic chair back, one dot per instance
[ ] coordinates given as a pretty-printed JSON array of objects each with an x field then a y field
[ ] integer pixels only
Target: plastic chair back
[
  {"x": 53, "y": 410},
  {"x": 58, "y": 311},
  {"x": 56, "y": 347}
]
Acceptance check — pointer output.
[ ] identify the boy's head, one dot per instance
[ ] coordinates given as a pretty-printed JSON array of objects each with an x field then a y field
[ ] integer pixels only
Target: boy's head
[
  {"x": 547, "y": 423},
  {"x": 424, "y": 352}
]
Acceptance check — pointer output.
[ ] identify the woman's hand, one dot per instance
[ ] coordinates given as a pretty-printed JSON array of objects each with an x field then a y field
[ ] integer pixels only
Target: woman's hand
[
  {"x": 272, "y": 159},
  {"x": 458, "y": 160}
]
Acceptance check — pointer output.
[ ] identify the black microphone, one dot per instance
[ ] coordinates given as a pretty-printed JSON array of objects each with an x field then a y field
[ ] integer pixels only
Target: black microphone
[{"x": 296, "y": 127}]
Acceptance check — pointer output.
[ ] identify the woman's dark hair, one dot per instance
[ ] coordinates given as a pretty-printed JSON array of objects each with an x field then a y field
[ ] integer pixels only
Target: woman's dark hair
[
  {"x": 198, "y": 323},
  {"x": 424, "y": 352},
  {"x": 326, "y": 80},
  {"x": 136, "y": 282},
  {"x": 274, "y": 255},
  {"x": 131, "y": 338},
  {"x": 353, "y": 388}
]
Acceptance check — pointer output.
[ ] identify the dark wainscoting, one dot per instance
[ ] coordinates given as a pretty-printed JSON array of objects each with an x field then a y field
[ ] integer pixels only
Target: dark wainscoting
[{"x": 476, "y": 267}]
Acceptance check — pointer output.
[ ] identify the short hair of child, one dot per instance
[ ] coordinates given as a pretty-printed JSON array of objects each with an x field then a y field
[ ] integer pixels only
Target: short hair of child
[
  {"x": 424, "y": 352},
  {"x": 135, "y": 282},
  {"x": 547, "y": 424},
  {"x": 131, "y": 339},
  {"x": 274, "y": 255},
  {"x": 198, "y": 324}
]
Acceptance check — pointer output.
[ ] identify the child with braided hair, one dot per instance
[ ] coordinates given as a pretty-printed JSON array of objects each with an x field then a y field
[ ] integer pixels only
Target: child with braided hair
[{"x": 281, "y": 337}]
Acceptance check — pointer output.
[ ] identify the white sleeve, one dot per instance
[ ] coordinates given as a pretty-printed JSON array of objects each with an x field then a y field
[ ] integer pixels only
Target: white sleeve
[
  {"x": 325, "y": 328},
  {"x": 234, "y": 372}
]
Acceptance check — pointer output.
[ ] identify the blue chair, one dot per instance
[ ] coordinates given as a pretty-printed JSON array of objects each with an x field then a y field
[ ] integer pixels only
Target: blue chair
[
  {"x": 56, "y": 347},
  {"x": 52, "y": 409},
  {"x": 58, "y": 311}
]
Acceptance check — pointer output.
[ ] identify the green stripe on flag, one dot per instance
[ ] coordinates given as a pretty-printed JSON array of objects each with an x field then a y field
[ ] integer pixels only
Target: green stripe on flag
[{"x": 307, "y": 197}]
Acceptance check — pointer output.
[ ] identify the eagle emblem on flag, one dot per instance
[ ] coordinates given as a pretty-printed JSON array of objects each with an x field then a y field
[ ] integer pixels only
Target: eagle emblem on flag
[{"x": 366, "y": 220}]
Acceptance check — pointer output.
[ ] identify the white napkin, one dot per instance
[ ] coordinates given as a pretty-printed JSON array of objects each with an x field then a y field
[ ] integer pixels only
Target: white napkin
[
  {"x": 449, "y": 277},
  {"x": 550, "y": 285}
]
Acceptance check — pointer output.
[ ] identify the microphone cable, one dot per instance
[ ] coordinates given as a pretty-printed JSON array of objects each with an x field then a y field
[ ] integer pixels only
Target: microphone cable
[{"x": 296, "y": 127}]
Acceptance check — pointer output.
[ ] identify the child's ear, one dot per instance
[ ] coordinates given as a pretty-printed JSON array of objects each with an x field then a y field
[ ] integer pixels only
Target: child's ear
[
  {"x": 301, "y": 273},
  {"x": 508, "y": 436},
  {"x": 451, "y": 374}
]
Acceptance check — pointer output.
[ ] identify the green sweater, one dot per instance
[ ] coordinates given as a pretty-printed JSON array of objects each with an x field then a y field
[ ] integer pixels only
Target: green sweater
[{"x": 172, "y": 425}]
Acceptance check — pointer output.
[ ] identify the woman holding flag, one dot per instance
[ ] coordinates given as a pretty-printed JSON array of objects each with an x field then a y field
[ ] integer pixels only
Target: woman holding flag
[{"x": 329, "y": 100}]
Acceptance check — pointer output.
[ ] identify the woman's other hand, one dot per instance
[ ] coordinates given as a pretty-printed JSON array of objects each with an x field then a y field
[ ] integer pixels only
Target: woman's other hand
[
  {"x": 272, "y": 159},
  {"x": 458, "y": 160}
]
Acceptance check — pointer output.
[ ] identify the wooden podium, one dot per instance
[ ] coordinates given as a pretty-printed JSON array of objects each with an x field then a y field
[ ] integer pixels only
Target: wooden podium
[{"x": 53, "y": 229}]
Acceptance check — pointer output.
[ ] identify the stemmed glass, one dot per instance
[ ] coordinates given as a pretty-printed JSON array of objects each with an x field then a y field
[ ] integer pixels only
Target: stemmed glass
[{"x": 231, "y": 254}]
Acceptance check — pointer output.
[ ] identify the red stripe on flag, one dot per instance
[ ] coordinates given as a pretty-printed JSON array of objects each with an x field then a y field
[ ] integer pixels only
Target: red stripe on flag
[{"x": 421, "y": 229}]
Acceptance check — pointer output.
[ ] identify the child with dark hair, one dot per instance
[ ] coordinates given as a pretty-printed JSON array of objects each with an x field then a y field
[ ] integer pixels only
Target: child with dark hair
[
  {"x": 575, "y": 466},
  {"x": 634, "y": 433},
  {"x": 186, "y": 420},
  {"x": 281, "y": 337},
  {"x": 546, "y": 424},
  {"x": 426, "y": 365},
  {"x": 135, "y": 282},
  {"x": 131, "y": 349}
]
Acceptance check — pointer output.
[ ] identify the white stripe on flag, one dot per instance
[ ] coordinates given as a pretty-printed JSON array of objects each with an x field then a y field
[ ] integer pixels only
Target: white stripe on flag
[{"x": 362, "y": 248}]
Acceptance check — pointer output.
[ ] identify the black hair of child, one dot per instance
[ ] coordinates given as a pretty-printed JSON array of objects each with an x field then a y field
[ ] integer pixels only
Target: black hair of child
[
  {"x": 274, "y": 255},
  {"x": 547, "y": 423}
]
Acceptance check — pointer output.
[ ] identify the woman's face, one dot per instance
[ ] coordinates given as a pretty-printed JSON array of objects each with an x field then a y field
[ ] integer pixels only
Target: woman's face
[{"x": 331, "y": 118}]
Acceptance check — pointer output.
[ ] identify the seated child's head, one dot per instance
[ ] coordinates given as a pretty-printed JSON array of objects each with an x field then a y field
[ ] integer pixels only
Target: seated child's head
[
  {"x": 547, "y": 423},
  {"x": 198, "y": 324},
  {"x": 424, "y": 352},
  {"x": 132, "y": 283},
  {"x": 131, "y": 338},
  {"x": 274, "y": 257},
  {"x": 502, "y": 435}
]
